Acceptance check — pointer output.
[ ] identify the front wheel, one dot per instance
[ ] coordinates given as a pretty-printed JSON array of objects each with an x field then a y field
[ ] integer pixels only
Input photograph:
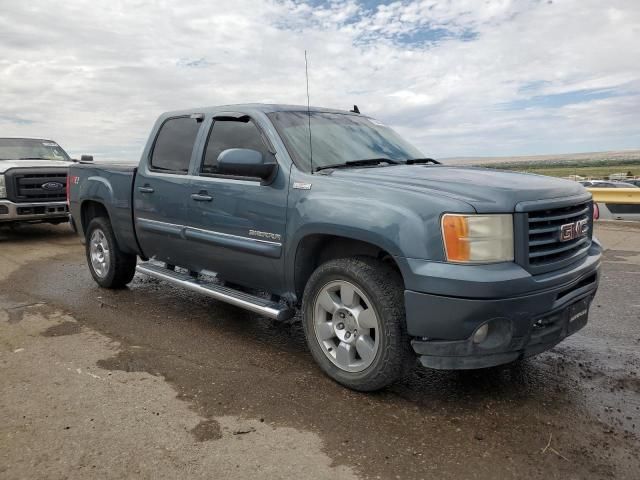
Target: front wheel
[
  {"x": 109, "y": 267},
  {"x": 354, "y": 322}
]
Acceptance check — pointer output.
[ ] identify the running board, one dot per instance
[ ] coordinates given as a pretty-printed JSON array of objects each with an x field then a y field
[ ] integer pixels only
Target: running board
[{"x": 244, "y": 300}]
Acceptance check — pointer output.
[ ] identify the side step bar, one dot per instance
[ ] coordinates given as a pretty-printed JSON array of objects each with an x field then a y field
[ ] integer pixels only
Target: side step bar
[{"x": 244, "y": 300}]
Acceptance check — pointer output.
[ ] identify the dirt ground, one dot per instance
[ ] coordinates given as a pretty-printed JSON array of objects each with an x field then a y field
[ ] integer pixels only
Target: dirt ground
[{"x": 155, "y": 382}]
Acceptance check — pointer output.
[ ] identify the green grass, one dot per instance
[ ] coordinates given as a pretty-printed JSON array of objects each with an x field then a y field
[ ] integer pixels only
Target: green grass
[{"x": 596, "y": 171}]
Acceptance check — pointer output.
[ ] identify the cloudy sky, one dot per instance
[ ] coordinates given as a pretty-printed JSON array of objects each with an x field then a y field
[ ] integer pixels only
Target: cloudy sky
[{"x": 458, "y": 78}]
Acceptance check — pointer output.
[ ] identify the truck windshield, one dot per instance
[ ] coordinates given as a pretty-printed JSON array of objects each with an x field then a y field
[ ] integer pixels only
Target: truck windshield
[
  {"x": 338, "y": 138},
  {"x": 31, "y": 149}
]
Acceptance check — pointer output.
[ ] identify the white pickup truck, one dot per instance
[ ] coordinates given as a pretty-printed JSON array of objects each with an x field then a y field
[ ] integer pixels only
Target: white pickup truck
[{"x": 33, "y": 181}]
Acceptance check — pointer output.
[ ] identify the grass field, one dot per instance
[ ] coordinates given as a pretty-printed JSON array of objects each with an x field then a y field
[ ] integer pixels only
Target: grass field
[{"x": 595, "y": 171}]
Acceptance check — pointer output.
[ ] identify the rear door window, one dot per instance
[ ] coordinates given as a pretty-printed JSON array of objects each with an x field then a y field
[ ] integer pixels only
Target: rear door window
[
  {"x": 227, "y": 134},
  {"x": 174, "y": 145}
]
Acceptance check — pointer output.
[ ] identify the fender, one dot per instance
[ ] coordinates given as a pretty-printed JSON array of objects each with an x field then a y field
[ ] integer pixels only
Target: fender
[
  {"x": 116, "y": 203},
  {"x": 392, "y": 228}
]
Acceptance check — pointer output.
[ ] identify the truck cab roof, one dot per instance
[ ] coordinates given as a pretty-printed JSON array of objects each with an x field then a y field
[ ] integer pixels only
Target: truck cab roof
[{"x": 255, "y": 107}]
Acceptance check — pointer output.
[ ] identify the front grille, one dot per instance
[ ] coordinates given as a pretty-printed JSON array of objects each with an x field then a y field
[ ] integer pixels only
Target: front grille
[
  {"x": 546, "y": 249},
  {"x": 29, "y": 185}
]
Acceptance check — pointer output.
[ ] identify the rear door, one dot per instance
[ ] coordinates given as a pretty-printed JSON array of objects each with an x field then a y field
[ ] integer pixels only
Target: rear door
[
  {"x": 237, "y": 225},
  {"x": 162, "y": 188}
]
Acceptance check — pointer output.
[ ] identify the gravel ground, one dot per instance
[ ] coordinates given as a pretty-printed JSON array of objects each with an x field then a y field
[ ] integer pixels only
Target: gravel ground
[{"x": 155, "y": 382}]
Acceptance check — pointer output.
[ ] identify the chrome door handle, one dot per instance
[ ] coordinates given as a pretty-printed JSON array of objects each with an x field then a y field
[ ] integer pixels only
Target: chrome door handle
[
  {"x": 201, "y": 197},
  {"x": 146, "y": 189}
]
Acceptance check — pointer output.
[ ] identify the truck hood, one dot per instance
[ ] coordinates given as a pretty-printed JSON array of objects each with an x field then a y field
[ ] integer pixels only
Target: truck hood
[
  {"x": 9, "y": 164},
  {"x": 486, "y": 190}
]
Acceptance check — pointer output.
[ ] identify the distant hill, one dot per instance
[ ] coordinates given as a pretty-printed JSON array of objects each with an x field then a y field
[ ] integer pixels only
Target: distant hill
[{"x": 619, "y": 157}]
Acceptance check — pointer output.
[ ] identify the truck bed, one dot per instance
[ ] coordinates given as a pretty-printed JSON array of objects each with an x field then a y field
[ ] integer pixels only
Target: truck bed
[{"x": 108, "y": 184}]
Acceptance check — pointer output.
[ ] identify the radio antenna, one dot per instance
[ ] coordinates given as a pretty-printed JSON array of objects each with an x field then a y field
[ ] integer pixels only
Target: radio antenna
[{"x": 306, "y": 71}]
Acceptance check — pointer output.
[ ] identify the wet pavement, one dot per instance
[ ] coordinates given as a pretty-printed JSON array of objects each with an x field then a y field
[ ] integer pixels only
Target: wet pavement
[{"x": 191, "y": 387}]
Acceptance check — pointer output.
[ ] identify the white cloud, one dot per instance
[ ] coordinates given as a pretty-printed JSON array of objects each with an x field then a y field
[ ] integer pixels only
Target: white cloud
[{"x": 94, "y": 75}]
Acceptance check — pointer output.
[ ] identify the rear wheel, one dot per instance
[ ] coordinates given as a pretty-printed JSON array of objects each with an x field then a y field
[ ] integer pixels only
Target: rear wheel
[
  {"x": 110, "y": 267},
  {"x": 354, "y": 322}
]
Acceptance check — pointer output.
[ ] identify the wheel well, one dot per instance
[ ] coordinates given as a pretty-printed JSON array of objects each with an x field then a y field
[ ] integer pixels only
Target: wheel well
[
  {"x": 315, "y": 250},
  {"x": 91, "y": 210}
]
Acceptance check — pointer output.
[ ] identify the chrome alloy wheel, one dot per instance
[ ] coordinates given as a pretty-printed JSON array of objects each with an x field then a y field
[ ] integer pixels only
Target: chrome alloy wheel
[
  {"x": 346, "y": 326},
  {"x": 99, "y": 253}
]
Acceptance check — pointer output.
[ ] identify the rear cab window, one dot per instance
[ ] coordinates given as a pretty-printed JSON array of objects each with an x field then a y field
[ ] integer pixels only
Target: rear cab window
[
  {"x": 230, "y": 133},
  {"x": 174, "y": 145}
]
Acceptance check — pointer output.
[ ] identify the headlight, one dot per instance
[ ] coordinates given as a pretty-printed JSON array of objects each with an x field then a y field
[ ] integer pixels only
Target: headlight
[
  {"x": 3, "y": 187},
  {"x": 478, "y": 238}
]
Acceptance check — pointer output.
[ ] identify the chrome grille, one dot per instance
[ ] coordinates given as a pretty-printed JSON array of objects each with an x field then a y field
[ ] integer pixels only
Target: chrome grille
[
  {"x": 546, "y": 250},
  {"x": 28, "y": 187}
]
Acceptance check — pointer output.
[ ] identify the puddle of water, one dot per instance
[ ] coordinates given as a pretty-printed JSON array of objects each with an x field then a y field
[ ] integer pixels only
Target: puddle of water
[
  {"x": 207, "y": 430},
  {"x": 64, "y": 328}
]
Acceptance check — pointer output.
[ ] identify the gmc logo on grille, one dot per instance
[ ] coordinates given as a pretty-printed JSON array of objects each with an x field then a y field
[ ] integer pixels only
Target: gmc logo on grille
[{"x": 571, "y": 231}]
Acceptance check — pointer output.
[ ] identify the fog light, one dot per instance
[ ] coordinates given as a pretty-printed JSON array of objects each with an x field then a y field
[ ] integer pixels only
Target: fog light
[
  {"x": 4, "y": 209},
  {"x": 481, "y": 334}
]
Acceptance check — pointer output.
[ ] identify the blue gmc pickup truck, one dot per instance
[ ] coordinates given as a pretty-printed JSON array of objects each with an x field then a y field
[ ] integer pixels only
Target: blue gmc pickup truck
[{"x": 389, "y": 256}]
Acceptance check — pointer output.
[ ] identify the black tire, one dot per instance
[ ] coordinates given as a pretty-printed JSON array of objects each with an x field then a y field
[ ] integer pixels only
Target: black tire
[
  {"x": 121, "y": 267},
  {"x": 384, "y": 287}
]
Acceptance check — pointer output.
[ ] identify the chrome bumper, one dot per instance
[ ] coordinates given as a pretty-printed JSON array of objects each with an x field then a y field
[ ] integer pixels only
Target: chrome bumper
[{"x": 29, "y": 212}]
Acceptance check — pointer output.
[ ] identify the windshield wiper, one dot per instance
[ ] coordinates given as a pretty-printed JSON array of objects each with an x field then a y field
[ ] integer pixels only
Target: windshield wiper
[
  {"x": 33, "y": 158},
  {"x": 359, "y": 163},
  {"x": 416, "y": 161}
]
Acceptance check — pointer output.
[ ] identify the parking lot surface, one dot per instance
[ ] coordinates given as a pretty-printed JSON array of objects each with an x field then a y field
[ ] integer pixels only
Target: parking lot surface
[{"x": 155, "y": 382}]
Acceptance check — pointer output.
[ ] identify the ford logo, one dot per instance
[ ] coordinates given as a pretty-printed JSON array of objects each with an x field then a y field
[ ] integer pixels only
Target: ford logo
[{"x": 52, "y": 186}]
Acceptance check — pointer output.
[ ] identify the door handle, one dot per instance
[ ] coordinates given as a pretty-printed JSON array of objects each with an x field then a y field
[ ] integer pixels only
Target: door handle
[
  {"x": 146, "y": 189},
  {"x": 201, "y": 197}
]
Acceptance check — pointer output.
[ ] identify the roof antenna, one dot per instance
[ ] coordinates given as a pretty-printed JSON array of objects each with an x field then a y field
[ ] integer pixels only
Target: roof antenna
[
  {"x": 355, "y": 109},
  {"x": 306, "y": 71}
]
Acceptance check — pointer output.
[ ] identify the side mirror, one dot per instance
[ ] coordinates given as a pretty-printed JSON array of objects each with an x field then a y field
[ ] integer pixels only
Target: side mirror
[
  {"x": 244, "y": 162},
  {"x": 86, "y": 158}
]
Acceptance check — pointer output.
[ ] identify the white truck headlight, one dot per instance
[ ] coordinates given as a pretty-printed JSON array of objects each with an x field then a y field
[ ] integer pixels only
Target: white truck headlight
[
  {"x": 478, "y": 238},
  {"x": 3, "y": 187}
]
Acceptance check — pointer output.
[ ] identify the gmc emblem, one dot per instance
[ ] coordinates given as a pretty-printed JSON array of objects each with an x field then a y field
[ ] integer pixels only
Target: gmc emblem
[{"x": 571, "y": 231}]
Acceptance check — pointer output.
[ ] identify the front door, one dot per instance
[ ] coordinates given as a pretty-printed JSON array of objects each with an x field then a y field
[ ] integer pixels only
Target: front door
[
  {"x": 162, "y": 188},
  {"x": 237, "y": 225}
]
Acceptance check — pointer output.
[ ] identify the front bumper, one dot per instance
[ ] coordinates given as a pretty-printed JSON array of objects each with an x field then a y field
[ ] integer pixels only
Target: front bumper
[
  {"x": 519, "y": 325},
  {"x": 32, "y": 212}
]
